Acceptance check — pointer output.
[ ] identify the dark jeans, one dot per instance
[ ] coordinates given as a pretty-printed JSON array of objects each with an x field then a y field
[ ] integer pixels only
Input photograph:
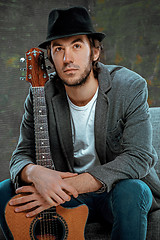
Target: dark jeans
[{"x": 125, "y": 207}]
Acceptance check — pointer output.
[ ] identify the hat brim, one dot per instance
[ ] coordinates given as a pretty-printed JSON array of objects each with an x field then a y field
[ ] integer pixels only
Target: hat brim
[{"x": 99, "y": 36}]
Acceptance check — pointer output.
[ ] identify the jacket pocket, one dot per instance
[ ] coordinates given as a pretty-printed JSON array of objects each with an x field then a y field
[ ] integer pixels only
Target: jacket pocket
[{"x": 115, "y": 137}]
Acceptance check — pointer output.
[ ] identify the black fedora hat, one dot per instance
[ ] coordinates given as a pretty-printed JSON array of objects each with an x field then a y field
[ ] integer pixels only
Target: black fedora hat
[{"x": 70, "y": 22}]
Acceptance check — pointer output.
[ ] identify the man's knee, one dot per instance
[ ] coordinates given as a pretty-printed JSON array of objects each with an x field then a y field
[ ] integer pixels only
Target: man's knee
[
  {"x": 132, "y": 193},
  {"x": 6, "y": 192}
]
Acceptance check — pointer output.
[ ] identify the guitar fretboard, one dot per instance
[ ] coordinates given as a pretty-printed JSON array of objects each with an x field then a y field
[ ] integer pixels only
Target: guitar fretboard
[{"x": 43, "y": 155}]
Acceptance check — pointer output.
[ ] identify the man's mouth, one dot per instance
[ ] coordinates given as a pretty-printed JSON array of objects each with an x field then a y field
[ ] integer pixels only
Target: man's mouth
[{"x": 70, "y": 69}]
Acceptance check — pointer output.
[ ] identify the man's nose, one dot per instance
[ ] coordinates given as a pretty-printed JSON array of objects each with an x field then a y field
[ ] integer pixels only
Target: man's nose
[{"x": 68, "y": 56}]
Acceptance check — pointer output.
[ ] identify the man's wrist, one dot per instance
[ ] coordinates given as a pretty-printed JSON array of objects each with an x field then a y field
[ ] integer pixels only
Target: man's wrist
[
  {"x": 25, "y": 174},
  {"x": 102, "y": 188}
]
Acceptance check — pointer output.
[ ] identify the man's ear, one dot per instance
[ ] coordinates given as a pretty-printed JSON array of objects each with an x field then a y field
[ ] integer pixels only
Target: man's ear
[
  {"x": 96, "y": 50},
  {"x": 49, "y": 53}
]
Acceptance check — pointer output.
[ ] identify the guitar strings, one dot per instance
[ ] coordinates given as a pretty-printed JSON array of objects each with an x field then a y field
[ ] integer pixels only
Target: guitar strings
[
  {"x": 37, "y": 147},
  {"x": 44, "y": 220},
  {"x": 47, "y": 221}
]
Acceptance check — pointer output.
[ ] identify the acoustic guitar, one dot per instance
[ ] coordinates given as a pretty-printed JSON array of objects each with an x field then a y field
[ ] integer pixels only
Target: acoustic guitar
[{"x": 55, "y": 223}]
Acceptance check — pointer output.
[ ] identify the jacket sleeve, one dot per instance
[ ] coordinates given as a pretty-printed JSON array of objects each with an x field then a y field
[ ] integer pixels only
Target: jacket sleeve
[
  {"x": 24, "y": 153},
  {"x": 137, "y": 156}
]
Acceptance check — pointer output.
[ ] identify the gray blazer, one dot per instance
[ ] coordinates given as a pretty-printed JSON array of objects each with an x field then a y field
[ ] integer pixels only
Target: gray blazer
[{"x": 123, "y": 132}]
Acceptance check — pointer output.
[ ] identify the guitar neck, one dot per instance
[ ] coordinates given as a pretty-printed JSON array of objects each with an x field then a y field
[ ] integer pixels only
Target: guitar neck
[{"x": 42, "y": 146}]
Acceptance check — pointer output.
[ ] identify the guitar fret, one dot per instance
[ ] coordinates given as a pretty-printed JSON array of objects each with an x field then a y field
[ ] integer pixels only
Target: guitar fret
[
  {"x": 44, "y": 150},
  {"x": 41, "y": 100},
  {"x": 45, "y": 164},
  {"x": 42, "y": 143},
  {"x": 40, "y": 112},
  {"x": 38, "y": 91},
  {"x": 47, "y": 160},
  {"x": 42, "y": 135},
  {"x": 40, "y": 160},
  {"x": 41, "y": 119},
  {"x": 41, "y": 126},
  {"x": 41, "y": 129}
]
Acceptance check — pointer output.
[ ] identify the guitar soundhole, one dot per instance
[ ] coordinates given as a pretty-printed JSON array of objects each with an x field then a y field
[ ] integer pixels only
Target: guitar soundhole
[{"x": 49, "y": 227}]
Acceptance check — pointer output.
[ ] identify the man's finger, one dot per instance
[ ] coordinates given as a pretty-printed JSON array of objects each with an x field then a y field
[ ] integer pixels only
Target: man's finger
[
  {"x": 25, "y": 189},
  {"x": 67, "y": 174},
  {"x": 21, "y": 200},
  {"x": 37, "y": 211},
  {"x": 26, "y": 207},
  {"x": 61, "y": 196},
  {"x": 71, "y": 190}
]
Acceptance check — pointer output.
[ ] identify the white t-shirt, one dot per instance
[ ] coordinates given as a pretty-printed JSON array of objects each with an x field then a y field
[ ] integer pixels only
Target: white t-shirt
[{"x": 82, "y": 123}]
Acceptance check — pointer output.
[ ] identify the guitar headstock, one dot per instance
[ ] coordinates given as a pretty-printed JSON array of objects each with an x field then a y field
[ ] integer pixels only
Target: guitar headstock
[{"x": 36, "y": 70}]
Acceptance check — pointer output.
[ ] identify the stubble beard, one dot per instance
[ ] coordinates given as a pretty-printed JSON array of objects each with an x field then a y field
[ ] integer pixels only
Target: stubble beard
[{"x": 82, "y": 79}]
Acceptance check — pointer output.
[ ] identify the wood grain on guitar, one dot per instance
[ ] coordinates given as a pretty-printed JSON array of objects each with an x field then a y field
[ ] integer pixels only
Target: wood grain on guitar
[{"x": 56, "y": 223}]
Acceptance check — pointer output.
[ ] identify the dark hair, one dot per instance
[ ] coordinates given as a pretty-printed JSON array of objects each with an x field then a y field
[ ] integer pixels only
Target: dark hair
[{"x": 94, "y": 43}]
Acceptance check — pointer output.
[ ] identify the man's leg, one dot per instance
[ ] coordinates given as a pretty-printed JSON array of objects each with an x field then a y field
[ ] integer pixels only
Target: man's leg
[
  {"x": 126, "y": 207},
  {"x": 6, "y": 193},
  {"x": 131, "y": 201}
]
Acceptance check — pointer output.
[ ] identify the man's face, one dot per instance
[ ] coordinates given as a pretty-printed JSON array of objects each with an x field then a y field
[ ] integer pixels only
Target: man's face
[{"x": 72, "y": 59}]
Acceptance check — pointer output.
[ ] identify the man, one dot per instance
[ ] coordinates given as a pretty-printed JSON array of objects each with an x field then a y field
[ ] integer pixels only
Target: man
[{"x": 100, "y": 135}]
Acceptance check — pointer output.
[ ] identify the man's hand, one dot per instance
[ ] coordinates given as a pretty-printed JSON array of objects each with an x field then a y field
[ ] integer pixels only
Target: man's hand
[
  {"x": 50, "y": 184},
  {"x": 48, "y": 189},
  {"x": 84, "y": 182},
  {"x": 32, "y": 201}
]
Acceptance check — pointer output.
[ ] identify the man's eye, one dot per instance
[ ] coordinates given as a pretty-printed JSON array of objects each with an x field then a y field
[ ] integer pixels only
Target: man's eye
[
  {"x": 77, "y": 46},
  {"x": 58, "y": 49}
]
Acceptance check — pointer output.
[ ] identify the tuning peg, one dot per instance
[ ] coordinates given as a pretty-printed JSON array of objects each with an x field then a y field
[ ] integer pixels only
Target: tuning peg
[
  {"x": 48, "y": 67},
  {"x": 45, "y": 67},
  {"x": 22, "y": 78},
  {"x": 22, "y": 59}
]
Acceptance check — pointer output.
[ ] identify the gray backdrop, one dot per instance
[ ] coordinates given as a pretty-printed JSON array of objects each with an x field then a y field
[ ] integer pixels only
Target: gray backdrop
[{"x": 133, "y": 40}]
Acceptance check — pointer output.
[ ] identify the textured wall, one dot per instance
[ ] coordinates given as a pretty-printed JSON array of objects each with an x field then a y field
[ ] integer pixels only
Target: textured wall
[{"x": 133, "y": 40}]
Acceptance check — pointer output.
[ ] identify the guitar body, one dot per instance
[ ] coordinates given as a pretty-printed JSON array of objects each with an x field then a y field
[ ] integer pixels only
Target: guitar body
[{"x": 64, "y": 223}]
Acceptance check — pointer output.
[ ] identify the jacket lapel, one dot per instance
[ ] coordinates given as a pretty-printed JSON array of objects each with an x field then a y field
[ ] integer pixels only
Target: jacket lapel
[
  {"x": 62, "y": 115},
  {"x": 101, "y": 113}
]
